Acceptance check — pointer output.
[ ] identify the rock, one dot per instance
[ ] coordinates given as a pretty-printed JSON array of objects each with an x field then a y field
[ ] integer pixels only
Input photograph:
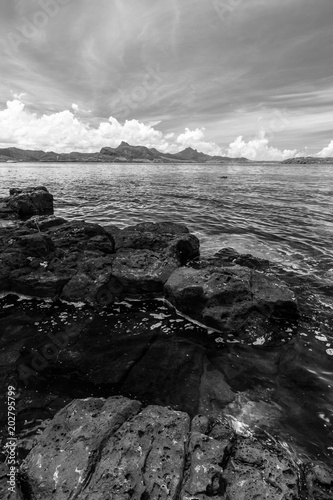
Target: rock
[
  {"x": 230, "y": 298},
  {"x": 81, "y": 287},
  {"x": 96, "y": 449},
  {"x": 230, "y": 257},
  {"x": 215, "y": 393},
  {"x": 169, "y": 238},
  {"x": 24, "y": 203},
  {"x": 143, "y": 272},
  {"x": 159, "y": 228},
  {"x": 45, "y": 222},
  {"x": 65, "y": 456},
  {"x": 204, "y": 476},
  {"x": 144, "y": 459},
  {"x": 319, "y": 481},
  {"x": 150, "y": 377},
  {"x": 36, "y": 245},
  {"x": 40, "y": 283},
  {"x": 256, "y": 471}
]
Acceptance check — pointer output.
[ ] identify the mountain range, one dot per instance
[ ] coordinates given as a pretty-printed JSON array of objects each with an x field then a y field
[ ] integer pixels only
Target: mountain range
[{"x": 123, "y": 153}]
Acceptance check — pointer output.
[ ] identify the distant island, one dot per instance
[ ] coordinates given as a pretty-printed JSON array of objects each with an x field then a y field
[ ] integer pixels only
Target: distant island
[
  {"x": 123, "y": 153},
  {"x": 303, "y": 160}
]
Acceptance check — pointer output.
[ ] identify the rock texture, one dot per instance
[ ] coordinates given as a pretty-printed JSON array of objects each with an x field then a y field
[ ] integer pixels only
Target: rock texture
[
  {"x": 48, "y": 256},
  {"x": 96, "y": 449},
  {"x": 233, "y": 298},
  {"x": 79, "y": 261},
  {"x": 24, "y": 203}
]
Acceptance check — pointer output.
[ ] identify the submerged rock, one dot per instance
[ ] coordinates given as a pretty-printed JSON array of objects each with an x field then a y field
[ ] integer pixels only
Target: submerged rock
[{"x": 96, "y": 449}]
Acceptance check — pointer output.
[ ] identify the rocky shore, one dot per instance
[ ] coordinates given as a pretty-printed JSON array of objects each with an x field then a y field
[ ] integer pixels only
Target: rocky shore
[
  {"x": 49, "y": 257},
  {"x": 92, "y": 447},
  {"x": 98, "y": 449}
]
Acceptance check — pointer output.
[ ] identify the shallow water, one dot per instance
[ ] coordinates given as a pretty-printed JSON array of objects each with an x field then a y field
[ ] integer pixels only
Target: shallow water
[{"x": 280, "y": 212}]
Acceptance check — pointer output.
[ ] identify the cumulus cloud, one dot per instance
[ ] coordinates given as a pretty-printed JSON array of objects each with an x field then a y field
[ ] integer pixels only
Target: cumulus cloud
[
  {"x": 195, "y": 139},
  {"x": 328, "y": 151},
  {"x": 258, "y": 149},
  {"x": 65, "y": 131}
]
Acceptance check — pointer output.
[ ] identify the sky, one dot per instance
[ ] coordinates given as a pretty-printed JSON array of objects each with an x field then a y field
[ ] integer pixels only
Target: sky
[{"x": 250, "y": 78}]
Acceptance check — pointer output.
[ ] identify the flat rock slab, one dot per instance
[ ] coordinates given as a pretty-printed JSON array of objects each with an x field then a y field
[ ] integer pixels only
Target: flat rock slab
[{"x": 95, "y": 449}]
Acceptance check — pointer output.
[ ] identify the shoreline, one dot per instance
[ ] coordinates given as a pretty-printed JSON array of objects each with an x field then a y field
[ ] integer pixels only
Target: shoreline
[{"x": 104, "y": 267}]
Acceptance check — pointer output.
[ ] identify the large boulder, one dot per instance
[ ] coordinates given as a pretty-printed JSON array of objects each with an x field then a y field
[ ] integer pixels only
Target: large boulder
[
  {"x": 148, "y": 253},
  {"x": 230, "y": 299},
  {"x": 166, "y": 237},
  {"x": 24, "y": 203}
]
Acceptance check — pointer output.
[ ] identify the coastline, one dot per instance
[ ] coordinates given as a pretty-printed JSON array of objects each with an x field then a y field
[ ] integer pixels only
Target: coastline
[{"x": 105, "y": 267}]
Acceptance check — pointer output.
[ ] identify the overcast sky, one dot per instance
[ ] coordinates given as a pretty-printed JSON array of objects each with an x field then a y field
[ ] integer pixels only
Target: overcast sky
[{"x": 239, "y": 77}]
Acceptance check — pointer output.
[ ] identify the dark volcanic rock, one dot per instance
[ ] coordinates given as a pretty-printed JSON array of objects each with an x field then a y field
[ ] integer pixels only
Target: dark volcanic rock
[
  {"x": 23, "y": 203},
  {"x": 229, "y": 257},
  {"x": 96, "y": 449},
  {"x": 167, "y": 237},
  {"x": 150, "y": 378},
  {"x": 65, "y": 457},
  {"x": 230, "y": 298},
  {"x": 261, "y": 472},
  {"x": 143, "y": 272},
  {"x": 148, "y": 253}
]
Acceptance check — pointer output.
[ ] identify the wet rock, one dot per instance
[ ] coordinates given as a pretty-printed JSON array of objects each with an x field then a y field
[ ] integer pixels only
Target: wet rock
[
  {"x": 160, "y": 228},
  {"x": 204, "y": 476},
  {"x": 319, "y": 482},
  {"x": 24, "y": 203},
  {"x": 142, "y": 272},
  {"x": 230, "y": 298},
  {"x": 36, "y": 245},
  {"x": 38, "y": 283},
  {"x": 64, "y": 458},
  {"x": 172, "y": 239},
  {"x": 229, "y": 256},
  {"x": 260, "y": 472},
  {"x": 45, "y": 222},
  {"x": 215, "y": 393},
  {"x": 169, "y": 373},
  {"x": 144, "y": 459},
  {"x": 96, "y": 449}
]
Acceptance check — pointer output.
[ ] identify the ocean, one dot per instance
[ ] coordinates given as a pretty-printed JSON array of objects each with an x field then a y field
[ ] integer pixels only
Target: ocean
[{"x": 283, "y": 213}]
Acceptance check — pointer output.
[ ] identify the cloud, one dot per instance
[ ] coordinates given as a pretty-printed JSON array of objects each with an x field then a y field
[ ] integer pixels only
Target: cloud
[
  {"x": 67, "y": 131},
  {"x": 328, "y": 151},
  {"x": 258, "y": 149},
  {"x": 195, "y": 139}
]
